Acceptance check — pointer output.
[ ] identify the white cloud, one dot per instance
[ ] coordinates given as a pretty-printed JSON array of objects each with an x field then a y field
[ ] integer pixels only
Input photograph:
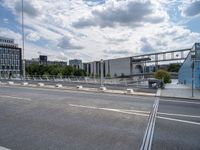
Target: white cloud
[
  {"x": 191, "y": 9},
  {"x": 33, "y": 36},
  {"x": 128, "y": 29}
]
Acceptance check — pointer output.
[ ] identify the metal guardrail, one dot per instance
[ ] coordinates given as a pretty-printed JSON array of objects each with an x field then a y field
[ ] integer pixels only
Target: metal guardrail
[{"x": 86, "y": 80}]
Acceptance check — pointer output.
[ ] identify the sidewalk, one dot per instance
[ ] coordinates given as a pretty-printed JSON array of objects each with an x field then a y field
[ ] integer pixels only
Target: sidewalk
[{"x": 179, "y": 91}]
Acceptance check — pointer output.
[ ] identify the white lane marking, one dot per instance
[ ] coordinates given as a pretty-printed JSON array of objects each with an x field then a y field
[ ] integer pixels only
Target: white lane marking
[
  {"x": 148, "y": 136},
  {"x": 3, "y": 148},
  {"x": 179, "y": 120},
  {"x": 136, "y": 112},
  {"x": 179, "y": 101},
  {"x": 179, "y": 115},
  {"x": 13, "y": 97}
]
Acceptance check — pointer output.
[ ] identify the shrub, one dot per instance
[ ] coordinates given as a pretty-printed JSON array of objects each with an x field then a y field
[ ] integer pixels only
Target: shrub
[{"x": 162, "y": 74}]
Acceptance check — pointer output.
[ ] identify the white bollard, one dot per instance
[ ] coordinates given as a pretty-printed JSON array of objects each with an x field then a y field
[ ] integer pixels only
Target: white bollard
[
  {"x": 102, "y": 88},
  {"x": 10, "y": 82},
  {"x": 25, "y": 83},
  {"x": 130, "y": 91},
  {"x": 40, "y": 84},
  {"x": 79, "y": 86},
  {"x": 59, "y": 85}
]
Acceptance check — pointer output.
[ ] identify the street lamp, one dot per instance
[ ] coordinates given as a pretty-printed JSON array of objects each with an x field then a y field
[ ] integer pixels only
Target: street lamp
[
  {"x": 101, "y": 72},
  {"x": 193, "y": 63},
  {"x": 23, "y": 58}
]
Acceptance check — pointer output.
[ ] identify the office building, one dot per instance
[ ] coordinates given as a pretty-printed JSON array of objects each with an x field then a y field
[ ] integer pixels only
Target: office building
[
  {"x": 190, "y": 68},
  {"x": 76, "y": 63},
  {"x": 10, "y": 58},
  {"x": 115, "y": 67}
]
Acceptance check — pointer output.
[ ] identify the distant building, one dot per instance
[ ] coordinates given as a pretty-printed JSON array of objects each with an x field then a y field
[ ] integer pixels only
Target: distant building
[
  {"x": 76, "y": 63},
  {"x": 43, "y": 60},
  {"x": 192, "y": 61},
  {"x": 115, "y": 67},
  {"x": 10, "y": 58}
]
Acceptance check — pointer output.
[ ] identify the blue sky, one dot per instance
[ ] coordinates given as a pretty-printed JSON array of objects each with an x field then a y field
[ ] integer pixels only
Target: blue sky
[{"x": 95, "y": 29}]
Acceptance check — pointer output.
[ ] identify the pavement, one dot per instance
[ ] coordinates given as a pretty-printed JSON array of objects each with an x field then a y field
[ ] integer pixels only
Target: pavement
[
  {"x": 175, "y": 90},
  {"x": 54, "y": 119}
]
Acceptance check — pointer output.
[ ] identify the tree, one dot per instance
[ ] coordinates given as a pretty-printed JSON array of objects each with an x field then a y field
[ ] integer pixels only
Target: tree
[
  {"x": 162, "y": 74},
  {"x": 174, "y": 67}
]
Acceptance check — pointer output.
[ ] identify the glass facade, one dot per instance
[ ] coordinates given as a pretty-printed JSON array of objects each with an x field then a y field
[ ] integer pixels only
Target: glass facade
[
  {"x": 10, "y": 61},
  {"x": 185, "y": 72}
]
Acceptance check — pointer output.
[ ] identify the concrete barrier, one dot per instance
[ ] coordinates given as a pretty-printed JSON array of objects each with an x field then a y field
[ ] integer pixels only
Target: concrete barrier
[
  {"x": 59, "y": 85},
  {"x": 11, "y": 83},
  {"x": 130, "y": 91},
  {"x": 102, "y": 88},
  {"x": 40, "y": 84},
  {"x": 25, "y": 83},
  {"x": 79, "y": 86}
]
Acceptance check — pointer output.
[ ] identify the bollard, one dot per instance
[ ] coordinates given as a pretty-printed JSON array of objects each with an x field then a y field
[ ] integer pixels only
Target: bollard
[
  {"x": 102, "y": 88},
  {"x": 130, "y": 91},
  {"x": 25, "y": 83},
  {"x": 10, "y": 82},
  {"x": 79, "y": 86},
  {"x": 40, "y": 84},
  {"x": 59, "y": 85}
]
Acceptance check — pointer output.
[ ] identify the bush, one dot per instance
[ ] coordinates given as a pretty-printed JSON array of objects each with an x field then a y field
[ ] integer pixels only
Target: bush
[{"x": 162, "y": 74}]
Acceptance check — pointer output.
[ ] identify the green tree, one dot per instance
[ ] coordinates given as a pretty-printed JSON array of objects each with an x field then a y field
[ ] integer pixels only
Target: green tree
[
  {"x": 162, "y": 74},
  {"x": 174, "y": 67}
]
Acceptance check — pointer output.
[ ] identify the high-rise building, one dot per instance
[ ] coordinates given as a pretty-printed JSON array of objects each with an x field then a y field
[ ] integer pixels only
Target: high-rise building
[{"x": 10, "y": 58}]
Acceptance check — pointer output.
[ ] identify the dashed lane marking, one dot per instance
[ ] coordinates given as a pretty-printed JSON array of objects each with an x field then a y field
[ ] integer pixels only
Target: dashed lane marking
[
  {"x": 14, "y": 97},
  {"x": 132, "y": 112}
]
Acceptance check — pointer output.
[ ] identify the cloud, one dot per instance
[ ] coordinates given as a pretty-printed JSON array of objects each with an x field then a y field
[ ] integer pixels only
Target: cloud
[
  {"x": 146, "y": 46},
  {"x": 119, "y": 52},
  {"x": 5, "y": 20},
  {"x": 33, "y": 36},
  {"x": 65, "y": 43},
  {"x": 29, "y": 9},
  {"x": 192, "y": 9},
  {"x": 130, "y": 13},
  {"x": 94, "y": 2}
]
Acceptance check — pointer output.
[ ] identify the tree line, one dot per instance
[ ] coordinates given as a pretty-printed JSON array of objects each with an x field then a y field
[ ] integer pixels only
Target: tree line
[{"x": 53, "y": 70}]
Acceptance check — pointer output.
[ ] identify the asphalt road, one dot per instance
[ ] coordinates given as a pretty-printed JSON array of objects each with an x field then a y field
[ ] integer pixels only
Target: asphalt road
[{"x": 47, "y": 119}]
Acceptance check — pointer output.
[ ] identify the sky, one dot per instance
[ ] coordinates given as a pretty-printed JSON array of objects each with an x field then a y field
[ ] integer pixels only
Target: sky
[{"x": 100, "y": 29}]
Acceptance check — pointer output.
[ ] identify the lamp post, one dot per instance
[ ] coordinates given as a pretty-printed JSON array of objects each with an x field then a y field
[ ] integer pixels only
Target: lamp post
[
  {"x": 101, "y": 72},
  {"x": 193, "y": 63},
  {"x": 23, "y": 58}
]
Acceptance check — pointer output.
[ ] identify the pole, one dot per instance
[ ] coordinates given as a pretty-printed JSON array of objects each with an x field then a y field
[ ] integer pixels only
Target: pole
[
  {"x": 23, "y": 58},
  {"x": 101, "y": 72},
  {"x": 193, "y": 79}
]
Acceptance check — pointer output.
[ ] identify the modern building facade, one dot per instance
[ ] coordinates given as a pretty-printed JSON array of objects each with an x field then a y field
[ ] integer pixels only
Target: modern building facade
[
  {"x": 77, "y": 63},
  {"x": 10, "y": 58},
  {"x": 115, "y": 67},
  {"x": 190, "y": 68}
]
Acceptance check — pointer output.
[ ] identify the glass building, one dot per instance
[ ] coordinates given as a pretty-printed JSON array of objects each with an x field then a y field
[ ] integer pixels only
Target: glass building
[
  {"x": 10, "y": 58},
  {"x": 190, "y": 66}
]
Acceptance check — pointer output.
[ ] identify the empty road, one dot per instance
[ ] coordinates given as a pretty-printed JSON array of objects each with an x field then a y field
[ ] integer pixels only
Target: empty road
[{"x": 53, "y": 119}]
